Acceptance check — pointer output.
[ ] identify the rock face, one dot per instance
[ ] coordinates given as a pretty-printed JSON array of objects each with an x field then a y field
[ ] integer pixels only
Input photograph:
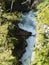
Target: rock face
[{"x": 21, "y": 35}]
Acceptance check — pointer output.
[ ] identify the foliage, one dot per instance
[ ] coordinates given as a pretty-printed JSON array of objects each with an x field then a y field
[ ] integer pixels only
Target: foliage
[
  {"x": 7, "y": 42},
  {"x": 41, "y": 49}
]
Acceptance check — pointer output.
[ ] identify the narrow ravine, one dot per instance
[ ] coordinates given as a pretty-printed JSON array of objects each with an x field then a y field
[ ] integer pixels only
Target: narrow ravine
[{"x": 28, "y": 24}]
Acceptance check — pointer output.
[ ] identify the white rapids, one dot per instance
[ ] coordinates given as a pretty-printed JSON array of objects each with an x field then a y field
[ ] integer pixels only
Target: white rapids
[{"x": 28, "y": 24}]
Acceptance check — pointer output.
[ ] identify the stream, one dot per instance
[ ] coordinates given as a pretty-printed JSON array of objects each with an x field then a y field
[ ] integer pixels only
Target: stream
[{"x": 28, "y": 24}]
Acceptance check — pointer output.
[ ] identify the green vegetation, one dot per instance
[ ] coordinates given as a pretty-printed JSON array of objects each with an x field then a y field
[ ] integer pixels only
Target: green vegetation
[
  {"x": 41, "y": 49},
  {"x": 7, "y": 42},
  {"x": 7, "y": 33},
  {"x": 11, "y": 45}
]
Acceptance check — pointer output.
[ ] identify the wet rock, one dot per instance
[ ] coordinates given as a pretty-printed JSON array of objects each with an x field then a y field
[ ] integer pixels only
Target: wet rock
[{"x": 21, "y": 35}]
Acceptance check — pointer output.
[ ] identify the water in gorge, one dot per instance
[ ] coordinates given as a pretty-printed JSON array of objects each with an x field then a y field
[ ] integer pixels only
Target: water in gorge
[{"x": 29, "y": 24}]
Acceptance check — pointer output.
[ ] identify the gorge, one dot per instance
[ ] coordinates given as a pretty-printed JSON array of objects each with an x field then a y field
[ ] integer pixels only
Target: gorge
[
  {"x": 28, "y": 24},
  {"x": 24, "y": 32}
]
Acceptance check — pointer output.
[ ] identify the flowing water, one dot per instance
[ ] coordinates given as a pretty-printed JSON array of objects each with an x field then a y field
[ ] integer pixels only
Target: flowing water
[{"x": 28, "y": 24}]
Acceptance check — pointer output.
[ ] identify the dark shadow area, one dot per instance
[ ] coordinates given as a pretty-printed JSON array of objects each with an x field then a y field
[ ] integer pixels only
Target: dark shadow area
[
  {"x": 20, "y": 5},
  {"x": 21, "y": 35}
]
